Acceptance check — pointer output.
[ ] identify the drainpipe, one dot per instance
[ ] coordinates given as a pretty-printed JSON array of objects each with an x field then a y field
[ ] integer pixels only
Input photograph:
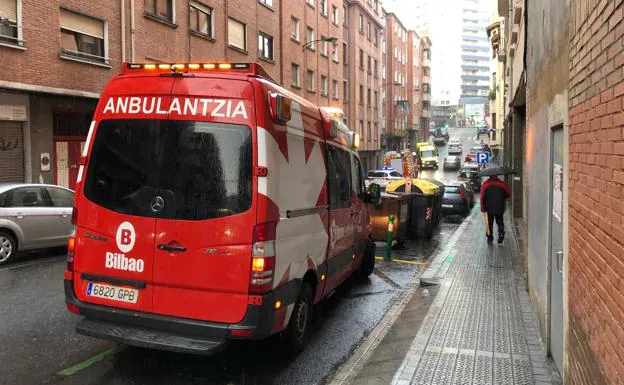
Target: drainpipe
[
  {"x": 123, "y": 30},
  {"x": 132, "y": 31}
]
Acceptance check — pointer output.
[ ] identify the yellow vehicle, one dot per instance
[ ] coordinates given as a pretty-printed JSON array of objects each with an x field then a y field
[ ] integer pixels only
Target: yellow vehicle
[{"x": 427, "y": 155}]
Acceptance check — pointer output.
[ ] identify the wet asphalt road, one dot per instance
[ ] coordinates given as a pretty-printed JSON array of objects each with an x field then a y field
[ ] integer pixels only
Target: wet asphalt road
[{"x": 38, "y": 338}]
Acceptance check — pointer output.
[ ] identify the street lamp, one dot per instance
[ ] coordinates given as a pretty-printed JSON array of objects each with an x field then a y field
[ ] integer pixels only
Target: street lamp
[{"x": 332, "y": 40}]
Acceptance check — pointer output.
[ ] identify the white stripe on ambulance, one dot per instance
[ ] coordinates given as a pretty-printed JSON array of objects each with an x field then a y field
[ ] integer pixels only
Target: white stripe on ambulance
[{"x": 221, "y": 108}]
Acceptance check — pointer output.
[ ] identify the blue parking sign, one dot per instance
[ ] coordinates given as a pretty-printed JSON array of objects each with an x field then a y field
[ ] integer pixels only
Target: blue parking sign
[{"x": 483, "y": 157}]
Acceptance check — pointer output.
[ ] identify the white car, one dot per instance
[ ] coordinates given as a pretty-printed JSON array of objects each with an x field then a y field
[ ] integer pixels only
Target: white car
[
  {"x": 454, "y": 146},
  {"x": 383, "y": 177}
]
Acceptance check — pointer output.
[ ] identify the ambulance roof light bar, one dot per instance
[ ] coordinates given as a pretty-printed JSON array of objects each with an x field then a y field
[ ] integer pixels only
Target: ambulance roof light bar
[{"x": 253, "y": 69}]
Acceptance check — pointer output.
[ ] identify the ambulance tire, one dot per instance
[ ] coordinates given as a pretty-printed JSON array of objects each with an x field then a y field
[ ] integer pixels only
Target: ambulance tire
[
  {"x": 368, "y": 262},
  {"x": 301, "y": 320}
]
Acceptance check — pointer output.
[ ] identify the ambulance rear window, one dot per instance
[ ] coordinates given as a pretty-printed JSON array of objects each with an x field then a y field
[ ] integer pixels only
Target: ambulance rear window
[{"x": 194, "y": 170}]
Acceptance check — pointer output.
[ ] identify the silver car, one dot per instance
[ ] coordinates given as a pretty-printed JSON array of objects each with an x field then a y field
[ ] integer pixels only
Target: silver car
[{"x": 33, "y": 216}]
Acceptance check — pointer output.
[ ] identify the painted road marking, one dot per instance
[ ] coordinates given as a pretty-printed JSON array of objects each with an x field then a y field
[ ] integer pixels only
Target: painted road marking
[
  {"x": 403, "y": 261},
  {"x": 90, "y": 361}
]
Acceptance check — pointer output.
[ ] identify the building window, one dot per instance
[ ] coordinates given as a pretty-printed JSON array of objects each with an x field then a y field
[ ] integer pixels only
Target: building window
[
  {"x": 361, "y": 25},
  {"x": 345, "y": 54},
  {"x": 368, "y": 131},
  {"x": 296, "y": 75},
  {"x": 334, "y": 14},
  {"x": 324, "y": 85},
  {"x": 267, "y": 2},
  {"x": 368, "y": 31},
  {"x": 335, "y": 53},
  {"x": 310, "y": 2},
  {"x": 162, "y": 9},
  {"x": 323, "y": 7},
  {"x": 310, "y": 39},
  {"x": 361, "y": 127},
  {"x": 294, "y": 28},
  {"x": 345, "y": 16},
  {"x": 345, "y": 91},
  {"x": 361, "y": 95},
  {"x": 265, "y": 46},
  {"x": 201, "y": 19},
  {"x": 375, "y": 69},
  {"x": 376, "y": 131},
  {"x": 370, "y": 69},
  {"x": 335, "y": 89},
  {"x": 9, "y": 28},
  {"x": 82, "y": 37},
  {"x": 311, "y": 81},
  {"x": 324, "y": 45},
  {"x": 376, "y": 37},
  {"x": 361, "y": 59},
  {"x": 237, "y": 34},
  {"x": 368, "y": 98},
  {"x": 375, "y": 101}
]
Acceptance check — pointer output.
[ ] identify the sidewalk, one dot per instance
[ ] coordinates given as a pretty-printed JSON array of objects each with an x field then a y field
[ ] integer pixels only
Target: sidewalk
[{"x": 479, "y": 329}]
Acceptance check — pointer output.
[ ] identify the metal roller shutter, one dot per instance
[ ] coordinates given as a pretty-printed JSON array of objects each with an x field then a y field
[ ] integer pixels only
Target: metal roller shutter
[{"x": 11, "y": 152}]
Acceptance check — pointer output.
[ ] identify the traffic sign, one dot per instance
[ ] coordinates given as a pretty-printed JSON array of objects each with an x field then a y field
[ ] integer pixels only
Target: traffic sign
[{"x": 483, "y": 157}]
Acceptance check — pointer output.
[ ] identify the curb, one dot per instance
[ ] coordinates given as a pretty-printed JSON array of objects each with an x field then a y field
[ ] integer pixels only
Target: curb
[{"x": 367, "y": 348}]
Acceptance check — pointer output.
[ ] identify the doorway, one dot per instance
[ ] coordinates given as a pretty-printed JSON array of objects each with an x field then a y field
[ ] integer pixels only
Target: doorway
[{"x": 556, "y": 248}]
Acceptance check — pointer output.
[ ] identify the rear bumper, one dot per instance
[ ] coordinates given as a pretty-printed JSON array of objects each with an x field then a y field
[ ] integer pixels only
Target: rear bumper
[
  {"x": 180, "y": 334},
  {"x": 457, "y": 209}
]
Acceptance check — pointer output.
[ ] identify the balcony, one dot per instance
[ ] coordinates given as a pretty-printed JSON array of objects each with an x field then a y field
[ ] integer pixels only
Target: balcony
[
  {"x": 426, "y": 113},
  {"x": 426, "y": 63},
  {"x": 426, "y": 97},
  {"x": 426, "y": 79}
]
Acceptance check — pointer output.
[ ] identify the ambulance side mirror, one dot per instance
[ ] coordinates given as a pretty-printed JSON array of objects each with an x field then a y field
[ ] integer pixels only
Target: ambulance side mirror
[
  {"x": 373, "y": 195},
  {"x": 331, "y": 128}
]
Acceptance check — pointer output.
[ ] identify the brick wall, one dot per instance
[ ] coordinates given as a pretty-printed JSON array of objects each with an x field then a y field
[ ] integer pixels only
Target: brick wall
[{"x": 596, "y": 255}]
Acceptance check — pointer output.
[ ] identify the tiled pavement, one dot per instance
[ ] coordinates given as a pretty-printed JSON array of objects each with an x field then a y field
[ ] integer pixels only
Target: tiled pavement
[{"x": 480, "y": 328}]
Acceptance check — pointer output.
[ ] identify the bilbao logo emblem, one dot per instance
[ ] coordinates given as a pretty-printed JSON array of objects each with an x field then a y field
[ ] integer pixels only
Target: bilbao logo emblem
[{"x": 126, "y": 237}]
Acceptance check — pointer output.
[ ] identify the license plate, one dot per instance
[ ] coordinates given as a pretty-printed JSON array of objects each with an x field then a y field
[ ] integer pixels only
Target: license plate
[
  {"x": 447, "y": 206},
  {"x": 115, "y": 293}
]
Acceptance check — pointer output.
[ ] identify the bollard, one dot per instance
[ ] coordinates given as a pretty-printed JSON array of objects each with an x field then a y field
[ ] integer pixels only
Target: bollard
[{"x": 388, "y": 256}]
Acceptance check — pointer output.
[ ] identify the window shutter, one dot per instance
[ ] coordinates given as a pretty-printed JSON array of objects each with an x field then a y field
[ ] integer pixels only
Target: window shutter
[
  {"x": 82, "y": 24},
  {"x": 236, "y": 34},
  {"x": 8, "y": 9}
]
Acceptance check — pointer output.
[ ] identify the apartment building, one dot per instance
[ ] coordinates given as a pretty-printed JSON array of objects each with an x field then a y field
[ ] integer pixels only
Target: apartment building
[
  {"x": 475, "y": 59},
  {"x": 51, "y": 74},
  {"x": 419, "y": 86},
  {"x": 394, "y": 86},
  {"x": 362, "y": 76}
]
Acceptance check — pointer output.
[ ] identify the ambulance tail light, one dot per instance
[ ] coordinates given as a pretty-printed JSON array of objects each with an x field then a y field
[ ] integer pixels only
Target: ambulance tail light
[
  {"x": 74, "y": 216},
  {"x": 263, "y": 258},
  {"x": 71, "y": 247}
]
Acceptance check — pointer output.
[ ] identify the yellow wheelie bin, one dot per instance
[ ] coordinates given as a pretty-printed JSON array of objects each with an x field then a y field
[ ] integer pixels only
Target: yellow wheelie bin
[{"x": 425, "y": 197}]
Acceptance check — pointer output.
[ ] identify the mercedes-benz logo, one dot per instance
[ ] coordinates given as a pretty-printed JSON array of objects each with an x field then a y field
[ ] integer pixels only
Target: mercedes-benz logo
[{"x": 158, "y": 203}]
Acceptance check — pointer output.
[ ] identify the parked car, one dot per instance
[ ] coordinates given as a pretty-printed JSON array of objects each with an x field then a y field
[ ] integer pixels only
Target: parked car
[
  {"x": 469, "y": 172},
  {"x": 456, "y": 199},
  {"x": 141, "y": 269},
  {"x": 383, "y": 177},
  {"x": 472, "y": 155},
  {"x": 483, "y": 129},
  {"x": 455, "y": 147},
  {"x": 33, "y": 216},
  {"x": 452, "y": 163}
]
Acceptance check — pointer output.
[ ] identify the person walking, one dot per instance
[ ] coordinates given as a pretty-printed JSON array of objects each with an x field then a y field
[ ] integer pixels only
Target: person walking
[{"x": 494, "y": 194}]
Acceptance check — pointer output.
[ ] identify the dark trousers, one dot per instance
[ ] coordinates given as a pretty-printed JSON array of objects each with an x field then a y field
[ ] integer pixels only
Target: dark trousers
[{"x": 500, "y": 224}]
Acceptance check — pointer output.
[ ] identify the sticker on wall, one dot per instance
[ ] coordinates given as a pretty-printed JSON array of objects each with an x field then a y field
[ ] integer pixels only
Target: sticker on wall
[{"x": 45, "y": 161}]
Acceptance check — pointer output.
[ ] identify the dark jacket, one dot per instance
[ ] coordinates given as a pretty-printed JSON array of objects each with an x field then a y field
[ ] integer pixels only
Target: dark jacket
[{"x": 494, "y": 192}]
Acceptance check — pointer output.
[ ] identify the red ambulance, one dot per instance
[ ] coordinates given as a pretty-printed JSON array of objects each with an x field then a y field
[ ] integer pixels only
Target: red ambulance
[{"x": 212, "y": 204}]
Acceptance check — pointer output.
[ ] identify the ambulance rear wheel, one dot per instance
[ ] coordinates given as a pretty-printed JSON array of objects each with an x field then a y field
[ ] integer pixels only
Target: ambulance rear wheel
[{"x": 301, "y": 320}]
